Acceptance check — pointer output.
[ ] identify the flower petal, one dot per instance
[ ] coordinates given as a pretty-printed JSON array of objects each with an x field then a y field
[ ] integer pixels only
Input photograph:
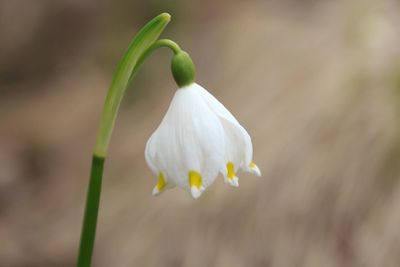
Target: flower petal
[
  {"x": 253, "y": 168},
  {"x": 216, "y": 106},
  {"x": 196, "y": 184},
  {"x": 150, "y": 153},
  {"x": 238, "y": 145},
  {"x": 189, "y": 138},
  {"x": 161, "y": 184},
  {"x": 230, "y": 175}
]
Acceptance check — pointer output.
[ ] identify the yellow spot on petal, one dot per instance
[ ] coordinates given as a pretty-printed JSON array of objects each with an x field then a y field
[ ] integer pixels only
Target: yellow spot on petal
[
  {"x": 252, "y": 165},
  {"x": 195, "y": 179},
  {"x": 231, "y": 170},
  {"x": 161, "y": 182}
]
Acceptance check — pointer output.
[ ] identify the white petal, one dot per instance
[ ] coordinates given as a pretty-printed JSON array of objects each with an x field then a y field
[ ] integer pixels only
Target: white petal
[
  {"x": 195, "y": 192},
  {"x": 155, "y": 191},
  {"x": 253, "y": 168},
  {"x": 190, "y": 137},
  {"x": 238, "y": 145},
  {"x": 150, "y": 153},
  {"x": 234, "y": 181},
  {"x": 216, "y": 106}
]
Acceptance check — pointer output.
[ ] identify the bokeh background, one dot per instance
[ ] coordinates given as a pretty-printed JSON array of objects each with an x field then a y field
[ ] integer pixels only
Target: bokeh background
[{"x": 316, "y": 84}]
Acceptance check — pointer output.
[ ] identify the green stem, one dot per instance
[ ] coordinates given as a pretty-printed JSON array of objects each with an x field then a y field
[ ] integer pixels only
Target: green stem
[
  {"x": 167, "y": 43},
  {"x": 159, "y": 43},
  {"x": 145, "y": 39},
  {"x": 91, "y": 212}
]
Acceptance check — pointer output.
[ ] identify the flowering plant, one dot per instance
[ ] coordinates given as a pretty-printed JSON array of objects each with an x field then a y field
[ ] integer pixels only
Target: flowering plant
[{"x": 197, "y": 138}]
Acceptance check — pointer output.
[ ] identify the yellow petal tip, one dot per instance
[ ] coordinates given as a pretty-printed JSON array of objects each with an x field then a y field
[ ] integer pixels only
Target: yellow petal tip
[
  {"x": 254, "y": 169},
  {"x": 160, "y": 186},
  {"x": 195, "y": 179}
]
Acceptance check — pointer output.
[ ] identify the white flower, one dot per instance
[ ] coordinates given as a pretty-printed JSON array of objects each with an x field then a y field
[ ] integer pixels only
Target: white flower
[{"x": 198, "y": 138}]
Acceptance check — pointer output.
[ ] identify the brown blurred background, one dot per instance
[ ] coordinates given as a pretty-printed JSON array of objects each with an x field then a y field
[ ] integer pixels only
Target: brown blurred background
[{"x": 316, "y": 84}]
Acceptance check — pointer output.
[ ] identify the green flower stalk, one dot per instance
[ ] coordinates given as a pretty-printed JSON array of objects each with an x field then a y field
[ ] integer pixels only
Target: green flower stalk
[
  {"x": 197, "y": 139},
  {"x": 140, "y": 47}
]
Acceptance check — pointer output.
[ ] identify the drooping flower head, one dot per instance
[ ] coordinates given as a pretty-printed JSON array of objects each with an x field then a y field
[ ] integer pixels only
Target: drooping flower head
[{"x": 197, "y": 138}]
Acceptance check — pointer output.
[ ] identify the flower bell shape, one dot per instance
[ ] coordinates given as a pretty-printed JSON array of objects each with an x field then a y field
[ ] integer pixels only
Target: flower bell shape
[{"x": 197, "y": 138}]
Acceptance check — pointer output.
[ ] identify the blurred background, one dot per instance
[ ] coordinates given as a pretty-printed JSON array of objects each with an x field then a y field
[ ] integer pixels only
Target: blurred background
[{"x": 315, "y": 83}]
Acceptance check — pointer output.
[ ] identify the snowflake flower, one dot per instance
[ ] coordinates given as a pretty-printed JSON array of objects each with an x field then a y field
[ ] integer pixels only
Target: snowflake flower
[{"x": 197, "y": 139}]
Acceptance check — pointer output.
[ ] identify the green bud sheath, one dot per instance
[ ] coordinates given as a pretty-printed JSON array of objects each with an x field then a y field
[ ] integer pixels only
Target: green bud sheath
[
  {"x": 126, "y": 69},
  {"x": 183, "y": 69}
]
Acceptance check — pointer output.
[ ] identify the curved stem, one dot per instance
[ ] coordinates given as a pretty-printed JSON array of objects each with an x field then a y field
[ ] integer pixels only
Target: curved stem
[
  {"x": 159, "y": 43},
  {"x": 167, "y": 43},
  {"x": 139, "y": 45}
]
